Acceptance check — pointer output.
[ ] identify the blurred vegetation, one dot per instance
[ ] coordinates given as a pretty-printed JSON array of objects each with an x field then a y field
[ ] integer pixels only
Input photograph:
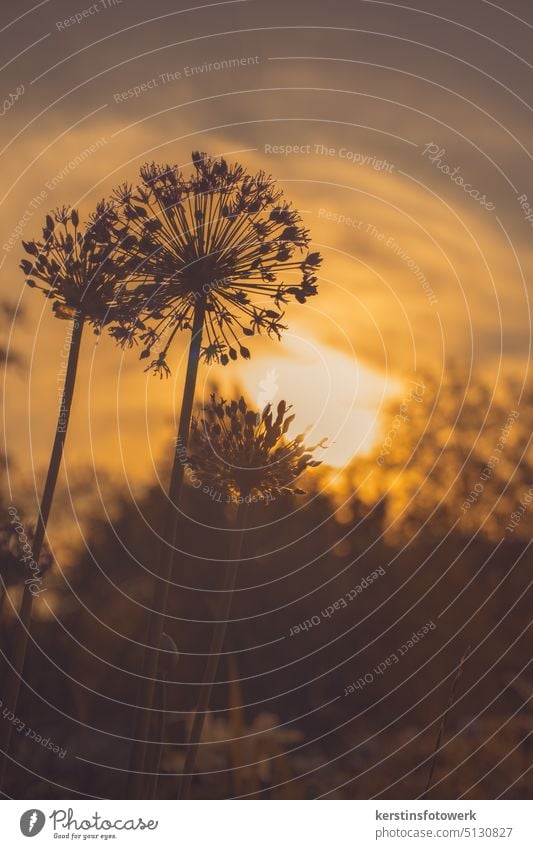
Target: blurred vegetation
[{"x": 464, "y": 443}]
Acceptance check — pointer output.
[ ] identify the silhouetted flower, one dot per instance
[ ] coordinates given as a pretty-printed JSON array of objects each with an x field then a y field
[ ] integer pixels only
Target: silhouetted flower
[
  {"x": 81, "y": 270},
  {"x": 245, "y": 453},
  {"x": 218, "y": 253},
  {"x": 222, "y": 240},
  {"x": 245, "y": 456}
]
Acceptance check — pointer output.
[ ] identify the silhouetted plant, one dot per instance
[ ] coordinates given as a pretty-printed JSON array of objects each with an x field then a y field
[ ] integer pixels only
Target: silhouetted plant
[
  {"x": 168, "y": 661},
  {"x": 219, "y": 242},
  {"x": 81, "y": 269},
  {"x": 247, "y": 456},
  {"x": 83, "y": 274},
  {"x": 219, "y": 253}
]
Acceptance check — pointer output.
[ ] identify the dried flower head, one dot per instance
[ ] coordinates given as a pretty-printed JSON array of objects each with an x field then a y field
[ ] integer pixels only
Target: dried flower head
[
  {"x": 81, "y": 270},
  {"x": 245, "y": 453},
  {"x": 222, "y": 240}
]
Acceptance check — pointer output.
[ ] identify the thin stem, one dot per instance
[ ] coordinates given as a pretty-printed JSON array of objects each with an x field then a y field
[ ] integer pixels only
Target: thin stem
[
  {"x": 167, "y": 662},
  {"x": 442, "y": 726},
  {"x": 3, "y": 642},
  {"x": 15, "y": 666},
  {"x": 217, "y": 644},
  {"x": 166, "y": 563},
  {"x": 154, "y": 756}
]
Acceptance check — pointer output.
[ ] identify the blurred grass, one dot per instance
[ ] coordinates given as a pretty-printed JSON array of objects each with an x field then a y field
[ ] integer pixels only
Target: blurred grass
[{"x": 280, "y": 725}]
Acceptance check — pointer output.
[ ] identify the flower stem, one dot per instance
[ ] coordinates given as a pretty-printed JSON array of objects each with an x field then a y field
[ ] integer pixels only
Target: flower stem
[
  {"x": 3, "y": 638},
  {"x": 15, "y": 665},
  {"x": 217, "y": 644},
  {"x": 166, "y": 564},
  {"x": 442, "y": 726},
  {"x": 154, "y": 756}
]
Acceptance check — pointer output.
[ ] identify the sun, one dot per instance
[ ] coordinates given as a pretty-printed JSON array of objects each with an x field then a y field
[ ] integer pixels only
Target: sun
[{"x": 334, "y": 395}]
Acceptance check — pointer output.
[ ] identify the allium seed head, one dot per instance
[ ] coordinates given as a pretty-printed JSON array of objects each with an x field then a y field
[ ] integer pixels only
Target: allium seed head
[{"x": 81, "y": 270}]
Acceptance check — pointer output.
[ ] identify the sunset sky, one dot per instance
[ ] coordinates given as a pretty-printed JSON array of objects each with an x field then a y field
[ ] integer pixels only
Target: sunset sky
[{"x": 367, "y": 125}]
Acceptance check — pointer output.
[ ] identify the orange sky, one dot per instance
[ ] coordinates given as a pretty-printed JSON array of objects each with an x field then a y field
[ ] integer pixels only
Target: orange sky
[{"x": 417, "y": 273}]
